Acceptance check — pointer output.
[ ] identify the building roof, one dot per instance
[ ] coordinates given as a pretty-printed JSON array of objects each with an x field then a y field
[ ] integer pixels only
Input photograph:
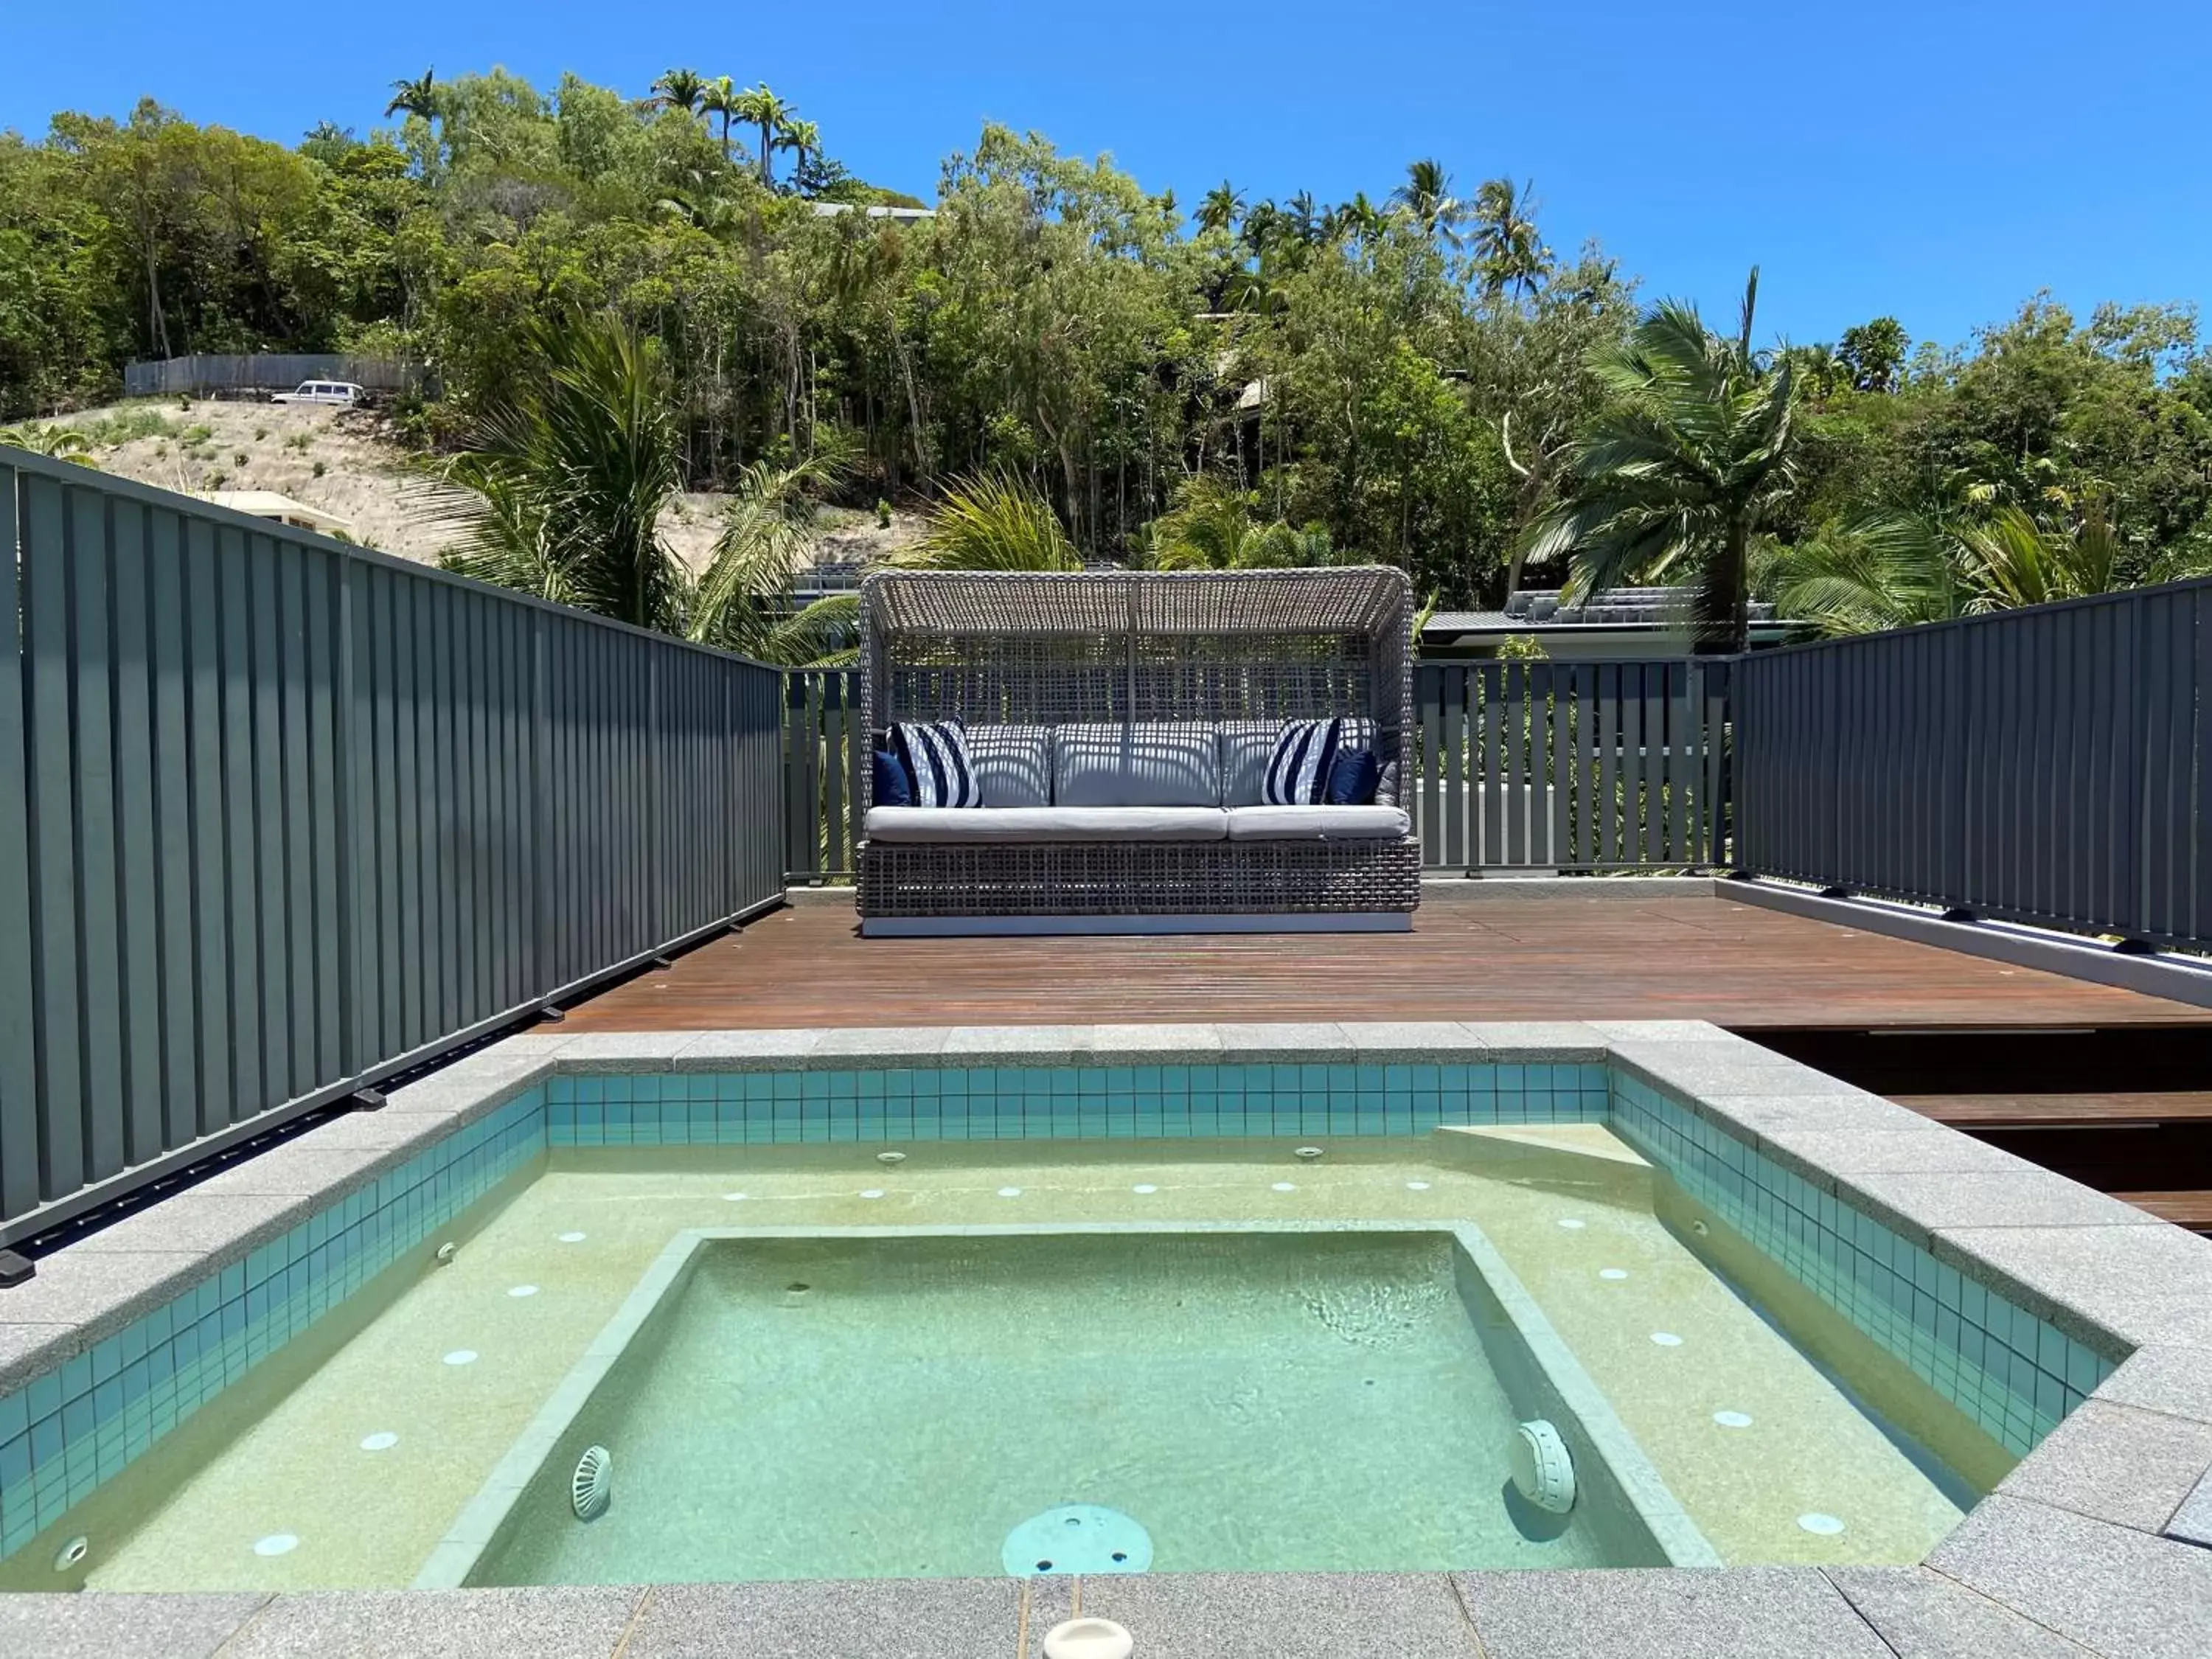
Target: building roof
[
  {"x": 268, "y": 504},
  {"x": 1620, "y": 609},
  {"x": 831, "y": 209}
]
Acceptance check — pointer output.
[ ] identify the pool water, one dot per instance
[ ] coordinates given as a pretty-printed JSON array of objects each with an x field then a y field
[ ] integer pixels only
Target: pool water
[
  {"x": 910, "y": 1429},
  {"x": 895, "y": 1407}
]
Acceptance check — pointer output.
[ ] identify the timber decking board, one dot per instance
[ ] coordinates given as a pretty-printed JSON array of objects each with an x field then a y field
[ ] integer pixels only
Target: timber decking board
[
  {"x": 2062, "y": 1111},
  {"x": 2192, "y": 1210},
  {"x": 1497, "y": 959}
]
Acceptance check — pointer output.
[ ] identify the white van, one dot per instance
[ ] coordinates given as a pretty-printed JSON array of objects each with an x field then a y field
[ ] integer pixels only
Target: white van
[{"x": 344, "y": 393}]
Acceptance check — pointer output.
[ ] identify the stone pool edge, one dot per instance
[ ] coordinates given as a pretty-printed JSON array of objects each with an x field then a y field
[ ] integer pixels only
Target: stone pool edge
[{"x": 2075, "y": 1542}]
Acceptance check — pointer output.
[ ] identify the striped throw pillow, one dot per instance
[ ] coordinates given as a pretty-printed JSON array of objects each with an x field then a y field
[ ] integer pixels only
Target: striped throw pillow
[
  {"x": 1297, "y": 774},
  {"x": 935, "y": 755}
]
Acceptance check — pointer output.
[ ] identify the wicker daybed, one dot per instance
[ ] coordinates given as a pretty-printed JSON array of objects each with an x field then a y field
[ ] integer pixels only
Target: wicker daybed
[{"x": 1058, "y": 678}]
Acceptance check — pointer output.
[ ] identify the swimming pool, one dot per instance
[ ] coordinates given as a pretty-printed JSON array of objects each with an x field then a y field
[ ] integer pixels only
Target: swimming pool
[{"x": 1262, "y": 1300}]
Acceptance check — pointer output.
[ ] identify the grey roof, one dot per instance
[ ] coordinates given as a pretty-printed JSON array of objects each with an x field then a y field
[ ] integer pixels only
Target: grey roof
[{"x": 1535, "y": 610}]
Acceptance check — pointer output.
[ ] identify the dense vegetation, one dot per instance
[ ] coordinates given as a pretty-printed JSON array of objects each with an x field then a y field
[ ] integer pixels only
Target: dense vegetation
[{"x": 1414, "y": 376}]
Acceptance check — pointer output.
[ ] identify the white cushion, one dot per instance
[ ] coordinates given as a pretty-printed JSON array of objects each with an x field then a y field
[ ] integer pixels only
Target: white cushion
[
  {"x": 1247, "y": 746},
  {"x": 1021, "y": 823},
  {"x": 1317, "y": 823},
  {"x": 1149, "y": 764},
  {"x": 1012, "y": 763}
]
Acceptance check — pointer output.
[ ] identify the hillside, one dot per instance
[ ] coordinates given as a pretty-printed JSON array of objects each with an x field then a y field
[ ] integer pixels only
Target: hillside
[{"x": 349, "y": 463}]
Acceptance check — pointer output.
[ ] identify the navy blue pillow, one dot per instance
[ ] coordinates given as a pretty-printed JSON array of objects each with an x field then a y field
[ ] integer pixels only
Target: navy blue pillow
[
  {"x": 892, "y": 786},
  {"x": 1353, "y": 778}
]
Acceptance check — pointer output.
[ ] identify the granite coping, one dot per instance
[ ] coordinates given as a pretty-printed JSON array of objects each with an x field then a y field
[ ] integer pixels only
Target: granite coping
[{"x": 2079, "y": 1551}]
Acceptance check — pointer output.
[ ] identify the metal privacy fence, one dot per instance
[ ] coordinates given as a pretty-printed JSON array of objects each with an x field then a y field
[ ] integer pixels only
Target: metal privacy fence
[
  {"x": 214, "y": 371},
  {"x": 1516, "y": 765},
  {"x": 280, "y": 817},
  {"x": 2041, "y": 766}
]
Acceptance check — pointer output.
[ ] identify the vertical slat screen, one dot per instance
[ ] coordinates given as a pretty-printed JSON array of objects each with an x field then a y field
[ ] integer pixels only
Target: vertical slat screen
[
  {"x": 825, "y": 761},
  {"x": 1540, "y": 765},
  {"x": 279, "y": 816}
]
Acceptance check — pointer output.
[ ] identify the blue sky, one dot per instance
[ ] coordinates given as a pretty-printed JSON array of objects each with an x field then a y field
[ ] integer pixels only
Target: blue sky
[{"x": 1939, "y": 161}]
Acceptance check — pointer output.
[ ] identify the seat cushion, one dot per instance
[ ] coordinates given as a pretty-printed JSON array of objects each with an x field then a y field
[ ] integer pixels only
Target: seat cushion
[
  {"x": 1247, "y": 746},
  {"x": 1147, "y": 764},
  {"x": 1315, "y": 824},
  {"x": 1013, "y": 764},
  {"x": 1034, "y": 824}
]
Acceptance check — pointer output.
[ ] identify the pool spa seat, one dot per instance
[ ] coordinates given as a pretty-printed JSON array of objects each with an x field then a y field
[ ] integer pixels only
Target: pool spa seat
[{"x": 1120, "y": 725}]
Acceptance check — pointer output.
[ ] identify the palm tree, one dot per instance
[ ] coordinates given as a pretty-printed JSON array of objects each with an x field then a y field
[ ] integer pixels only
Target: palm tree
[
  {"x": 1889, "y": 569},
  {"x": 1222, "y": 207},
  {"x": 802, "y": 139},
  {"x": 680, "y": 88},
  {"x": 60, "y": 443},
  {"x": 560, "y": 490},
  {"x": 415, "y": 97},
  {"x": 1212, "y": 527},
  {"x": 991, "y": 522},
  {"x": 720, "y": 98},
  {"x": 768, "y": 112},
  {"x": 741, "y": 601},
  {"x": 1681, "y": 476},
  {"x": 1506, "y": 243},
  {"x": 1427, "y": 195}
]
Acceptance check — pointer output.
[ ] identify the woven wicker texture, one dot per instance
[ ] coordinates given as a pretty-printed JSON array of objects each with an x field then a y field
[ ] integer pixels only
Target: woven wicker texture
[{"x": 1022, "y": 649}]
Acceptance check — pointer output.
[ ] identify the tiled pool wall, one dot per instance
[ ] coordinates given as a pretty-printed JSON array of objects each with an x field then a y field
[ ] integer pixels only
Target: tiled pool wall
[
  {"x": 1070, "y": 1102},
  {"x": 77, "y": 1427},
  {"x": 73, "y": 1428},
  {"x": 2012, "y": 1372}
]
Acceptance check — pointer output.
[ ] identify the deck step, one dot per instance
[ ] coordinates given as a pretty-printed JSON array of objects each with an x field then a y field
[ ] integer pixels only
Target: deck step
[
  {"x": 2102, "y": 1111},
  {"x": 2192, "y": 1210}
]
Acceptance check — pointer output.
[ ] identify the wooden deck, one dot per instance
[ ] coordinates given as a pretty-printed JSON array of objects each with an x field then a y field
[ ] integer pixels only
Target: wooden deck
[{"x": 1486, "y": 959}]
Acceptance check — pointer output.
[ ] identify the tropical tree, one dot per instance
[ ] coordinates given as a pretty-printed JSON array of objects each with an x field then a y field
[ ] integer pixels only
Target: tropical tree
[
  {"x": 1680, "y": 479},
  {"x": 60, "y": 443},
  {"x": 1221, "y": 208},
  {"x": 719, "y": 98},
  {"x": 1427, "y": 196},
  {"x": 680, "y": 88},
  {"x": 741, "y": 601},
  {"x": 1885, "y": 569},
  {"x": 1213, "y": 525},
  {"x": 1508, "y": 249},
  {"x": 418, "y": 97},
  {"x": 802, "y": 139},
  {"x": 559, "y": 491},
  {"x": 992, "y": 521},
  {"x": 769, "y": 113}
]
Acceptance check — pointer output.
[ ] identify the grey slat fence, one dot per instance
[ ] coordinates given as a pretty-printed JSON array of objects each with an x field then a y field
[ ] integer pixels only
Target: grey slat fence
[
  {"x": 824, "y": 791},
  {"x": 1516, "y": 765},
  {"x": 210, "y": 372},
  {"x": 1571, "y": 765},
  {"x": 2042, "y": 765},
  {"x": 280, "y": 817}
]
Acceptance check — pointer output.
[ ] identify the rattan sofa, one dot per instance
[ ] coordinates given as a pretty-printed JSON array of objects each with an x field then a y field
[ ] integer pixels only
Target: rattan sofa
[{"x": 1144, "y": 660}]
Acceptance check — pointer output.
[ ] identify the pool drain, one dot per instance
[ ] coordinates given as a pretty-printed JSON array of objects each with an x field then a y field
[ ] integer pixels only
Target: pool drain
[
  {"x": 592, "y": 1488},
  {"x": 1077, "y": 1538}
]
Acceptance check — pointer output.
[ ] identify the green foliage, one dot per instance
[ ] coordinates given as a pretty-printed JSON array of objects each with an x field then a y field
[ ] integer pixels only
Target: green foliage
[
  {"x": 1413, "y": 375},
  {"x": 742, "y": 601},
  {"x": 991, "y": 522},
  {"x": 1691, "y": 465},
  {"x": 560, "y": 489},
  {"x": 1213, "y": 527},
  {"x": 61, "y": 443}
]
